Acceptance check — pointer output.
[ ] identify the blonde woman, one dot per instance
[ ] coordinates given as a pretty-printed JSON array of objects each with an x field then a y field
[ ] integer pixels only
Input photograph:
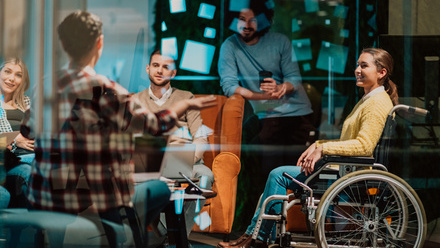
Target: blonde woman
[{"x": 14, "y": 81}]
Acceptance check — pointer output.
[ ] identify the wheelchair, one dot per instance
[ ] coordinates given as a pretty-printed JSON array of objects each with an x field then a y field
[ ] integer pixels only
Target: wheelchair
[{"x": 360, "y": 204}]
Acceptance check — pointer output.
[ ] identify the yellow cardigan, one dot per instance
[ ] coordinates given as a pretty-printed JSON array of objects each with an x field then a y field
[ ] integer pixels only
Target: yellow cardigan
[{"x": 362, "y": 128}]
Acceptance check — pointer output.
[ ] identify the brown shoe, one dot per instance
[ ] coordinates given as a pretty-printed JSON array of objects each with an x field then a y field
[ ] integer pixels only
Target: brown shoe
[
  {"x": 250, "y": 243},
  {"x": 236, "y": 242}
]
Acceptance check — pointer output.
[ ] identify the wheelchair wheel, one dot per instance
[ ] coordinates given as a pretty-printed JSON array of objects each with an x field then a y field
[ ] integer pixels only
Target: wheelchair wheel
[{"x": 370, "y": 208}]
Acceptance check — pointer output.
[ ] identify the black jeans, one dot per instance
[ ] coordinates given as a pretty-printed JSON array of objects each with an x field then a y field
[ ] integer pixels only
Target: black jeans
[{"x": 283, "y": 140}]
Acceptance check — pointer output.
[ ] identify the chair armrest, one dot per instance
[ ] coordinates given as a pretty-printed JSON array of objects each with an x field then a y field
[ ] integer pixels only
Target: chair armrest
[
  {"x": 348, "y": 159},
  {"x": 232, "y": 121},
  {"x": 225, "y": 167}
]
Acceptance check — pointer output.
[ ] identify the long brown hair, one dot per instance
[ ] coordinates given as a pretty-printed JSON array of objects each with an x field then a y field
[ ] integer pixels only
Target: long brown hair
[
  {"x": 18, "y": 95},
  {"x": 384, "y": 60}
]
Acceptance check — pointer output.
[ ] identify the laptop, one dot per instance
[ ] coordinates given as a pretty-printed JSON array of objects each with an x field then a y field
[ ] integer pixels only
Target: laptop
[
  {"x": 178, "y": 158},
  {"x": 147, "y": 157},
  {"x": 153, "y": 163}
]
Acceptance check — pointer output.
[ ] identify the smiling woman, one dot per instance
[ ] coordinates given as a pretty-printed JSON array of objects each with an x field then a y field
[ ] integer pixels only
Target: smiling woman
[{"x": 14, "y": 81}]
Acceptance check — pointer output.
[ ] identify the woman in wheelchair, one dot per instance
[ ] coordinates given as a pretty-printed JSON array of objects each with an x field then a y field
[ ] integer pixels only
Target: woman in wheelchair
[{"x": 360, "y": 133}]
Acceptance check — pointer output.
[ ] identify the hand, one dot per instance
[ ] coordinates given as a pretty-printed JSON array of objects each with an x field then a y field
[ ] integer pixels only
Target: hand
[
  {"x": 272, "y": 89},
  {"x": 269, "y": 85},
  {"x": 308, "y": 159},
  {"x": 24, "y": 143},
  {"x": 180, "y": 107},
  {"x": 202, "y": 102}
]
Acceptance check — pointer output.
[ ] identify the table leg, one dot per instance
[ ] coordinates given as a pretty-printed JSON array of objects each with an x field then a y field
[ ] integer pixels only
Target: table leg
[{"x": 176, "y": 228}]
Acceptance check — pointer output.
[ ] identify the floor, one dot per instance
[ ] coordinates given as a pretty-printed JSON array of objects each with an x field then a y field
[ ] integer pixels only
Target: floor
[
  {"x": 209, "y": 239},
  {"x": 201, "y": 240}
]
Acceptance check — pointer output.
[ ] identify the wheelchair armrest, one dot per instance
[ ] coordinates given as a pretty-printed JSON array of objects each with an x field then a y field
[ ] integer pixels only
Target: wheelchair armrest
[{"x": 348, "y": 159}]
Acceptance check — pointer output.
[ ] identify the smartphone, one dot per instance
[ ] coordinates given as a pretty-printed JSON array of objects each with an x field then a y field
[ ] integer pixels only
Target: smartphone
[{"x": 263, "y": 75}]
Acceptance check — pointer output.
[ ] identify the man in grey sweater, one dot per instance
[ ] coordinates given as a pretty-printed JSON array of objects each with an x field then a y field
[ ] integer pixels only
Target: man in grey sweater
[{"x": 278, "y": 99}]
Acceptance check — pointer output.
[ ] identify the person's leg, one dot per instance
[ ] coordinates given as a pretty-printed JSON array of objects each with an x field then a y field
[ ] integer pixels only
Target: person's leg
[
  {"x": 149, "y": 199},
  {"x": 192, "y": 208},
  {"x": 27, "y": 158},
  {"x": 17, "y": 180},
  {"x": 271, "y": 155},
  {"x": 114, "y": 216},
  {"x": 276, "y": 184},
  {"x": 4, "y": 197}
]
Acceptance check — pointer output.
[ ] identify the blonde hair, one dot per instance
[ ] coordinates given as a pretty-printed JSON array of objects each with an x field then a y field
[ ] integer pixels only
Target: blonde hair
[
  {"x": 18, "y": 95},
  {"x": 384, "y": 60}
]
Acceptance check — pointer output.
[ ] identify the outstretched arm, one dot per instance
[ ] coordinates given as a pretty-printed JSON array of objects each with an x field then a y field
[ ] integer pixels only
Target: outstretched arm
[{"x": 180, "y": 107}]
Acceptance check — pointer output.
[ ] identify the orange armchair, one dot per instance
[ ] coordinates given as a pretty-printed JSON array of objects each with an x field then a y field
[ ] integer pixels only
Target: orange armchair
[{"x": 224, "y": 160}]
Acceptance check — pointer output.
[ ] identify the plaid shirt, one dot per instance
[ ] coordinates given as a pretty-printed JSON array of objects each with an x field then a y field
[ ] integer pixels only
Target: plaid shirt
[
  {"x": 5, "y": 127},
  {"x": 94, "y": 142}
]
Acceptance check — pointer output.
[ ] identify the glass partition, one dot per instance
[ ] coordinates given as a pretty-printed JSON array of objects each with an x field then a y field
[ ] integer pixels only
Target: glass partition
[{"x": 327, "y": 38}]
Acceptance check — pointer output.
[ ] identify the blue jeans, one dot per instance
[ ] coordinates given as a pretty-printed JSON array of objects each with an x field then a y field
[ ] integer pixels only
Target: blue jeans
[
  {"x": 276, "y": 184},
  {"x": 149, "y": 199},
  {"x": 27, "y": 158},
  {"x": 4, "y": 197},
  {"x": 17, "y": 181}
]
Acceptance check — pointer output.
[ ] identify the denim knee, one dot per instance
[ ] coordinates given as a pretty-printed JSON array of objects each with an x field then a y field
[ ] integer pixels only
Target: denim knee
[
  {"x": 4, "y": 197},
  {"x": 22, "y": 170}
]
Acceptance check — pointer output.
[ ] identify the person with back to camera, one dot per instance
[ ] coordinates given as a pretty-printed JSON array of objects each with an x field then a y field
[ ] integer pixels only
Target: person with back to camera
[
  {"x": 280, "y": 101},
  {"x": 94, "y": 114},
  {"x": 14, "y": 81},
  {"x": 360, "y": 133},
  {"x": 188, "y": 129}
]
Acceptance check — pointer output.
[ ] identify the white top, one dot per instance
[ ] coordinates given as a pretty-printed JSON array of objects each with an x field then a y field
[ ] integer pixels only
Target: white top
[{"x": 163, "y": 99}]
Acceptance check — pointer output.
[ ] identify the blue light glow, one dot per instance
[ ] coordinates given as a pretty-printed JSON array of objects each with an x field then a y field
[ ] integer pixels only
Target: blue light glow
[
  {"x": 332, "y": 56},
  {"x": 307, "y": 67},
  {"x": 203, "y": 220},
  {"x": 177, "y": 6},
  {"x": 206, "y": 11},
  {"x": 270, "y": 4},
  {"x": 197, "y": 57},
  {"x": 341, "y": 11},
  {"x": 370, "y": 7},
  {"x": 372, "y": 22},
  {"x": 203, "y": 181},
  {"x": 169, "y": 47},
  {"x": 233, "y": 25},
  {"x": 197, "y": 209},
  {"x": 164, "y": 27},
  {"x": 238, "y": 5},
  {"x": 301, "y": 50},
  {"x": 311, "y": 5},
  {"x": 178, "y": 202},
  {"x": 262, "y": 22},
  {"x": 295, "y": 26},
  {"x": 344, "y": 33},
  {"x": 209, "y": 33}
]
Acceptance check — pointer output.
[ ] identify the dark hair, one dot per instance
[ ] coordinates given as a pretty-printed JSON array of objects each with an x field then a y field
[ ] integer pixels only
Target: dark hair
[
  {"x": 384, "y": 60},
  {"x": 78, "y": 33},
  {"x": 158, "y": 51},
  {"x": 258, "y": 7}
]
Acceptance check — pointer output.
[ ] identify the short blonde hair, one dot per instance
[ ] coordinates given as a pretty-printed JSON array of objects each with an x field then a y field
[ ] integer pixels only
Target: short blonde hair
[{"x": 18, "y": 95}]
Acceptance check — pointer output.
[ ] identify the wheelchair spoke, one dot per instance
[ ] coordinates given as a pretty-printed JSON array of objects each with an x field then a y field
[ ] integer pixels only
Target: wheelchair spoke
[{"x": 370, "y": 210}]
